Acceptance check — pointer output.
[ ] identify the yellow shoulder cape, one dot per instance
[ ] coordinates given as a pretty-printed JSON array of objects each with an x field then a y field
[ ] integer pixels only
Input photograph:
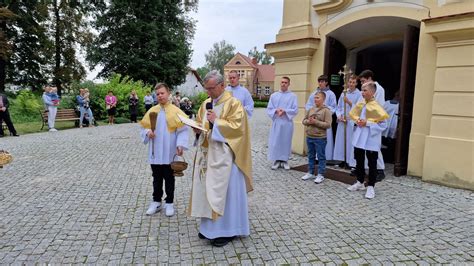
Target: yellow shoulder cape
[
  {"x": 233, "y": 125},
  {"x": 373, "y": 111},
  {"x": 172, "y": 120}
]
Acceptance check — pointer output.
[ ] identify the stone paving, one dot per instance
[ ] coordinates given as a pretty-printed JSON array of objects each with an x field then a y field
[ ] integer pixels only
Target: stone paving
[{"x": 80, "y": 196}]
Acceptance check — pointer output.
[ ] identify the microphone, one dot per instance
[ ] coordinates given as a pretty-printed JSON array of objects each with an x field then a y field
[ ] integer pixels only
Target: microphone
[{"x": 209, "y": 107}]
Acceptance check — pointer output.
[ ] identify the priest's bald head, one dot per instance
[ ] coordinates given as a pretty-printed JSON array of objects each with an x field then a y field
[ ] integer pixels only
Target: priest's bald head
[{"x": 214, "y": 84}]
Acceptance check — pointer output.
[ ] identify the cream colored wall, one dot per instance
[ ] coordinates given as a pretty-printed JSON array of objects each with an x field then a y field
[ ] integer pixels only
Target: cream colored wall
[
  {"x": 441, "y": 140},
  {"x": 449, "y": 143}
]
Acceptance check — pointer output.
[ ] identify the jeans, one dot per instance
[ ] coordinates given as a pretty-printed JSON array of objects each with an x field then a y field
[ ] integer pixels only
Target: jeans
[
  {"x": 89, "y": 113},
  {"x": 52, "y": 110},
  {"x": 316, "y": 145}
]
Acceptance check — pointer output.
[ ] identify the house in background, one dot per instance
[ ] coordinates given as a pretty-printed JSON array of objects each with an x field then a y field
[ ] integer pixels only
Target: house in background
[
  {"x": 258, "y": 79},
  {"x": 192, "y": 85}
]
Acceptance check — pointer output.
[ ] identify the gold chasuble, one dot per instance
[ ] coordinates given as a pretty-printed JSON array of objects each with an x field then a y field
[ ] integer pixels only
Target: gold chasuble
[
  {"x": 213, "y": 161},
  {"x": 373, "y": 111},
  {"x": 172, "y": 120}
]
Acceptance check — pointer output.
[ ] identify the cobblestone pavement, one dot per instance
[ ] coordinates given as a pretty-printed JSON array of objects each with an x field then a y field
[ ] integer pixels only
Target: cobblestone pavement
[{"x": 80, "y": 196}]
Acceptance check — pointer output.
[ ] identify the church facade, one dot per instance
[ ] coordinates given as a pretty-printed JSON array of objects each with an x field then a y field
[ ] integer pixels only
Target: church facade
[{"x": 422, "y": 50}]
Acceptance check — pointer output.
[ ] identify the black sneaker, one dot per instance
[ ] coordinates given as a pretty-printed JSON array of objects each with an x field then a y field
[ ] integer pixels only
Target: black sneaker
[
  {"x": 201, "y": 236},
  {"x": 221, "y": 241}
]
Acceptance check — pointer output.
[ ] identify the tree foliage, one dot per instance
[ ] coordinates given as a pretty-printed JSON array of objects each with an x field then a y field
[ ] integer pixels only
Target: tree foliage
[
  {"x": 148, "y": 41},
  {"x": 220, "y": 53},
  {"x": 262, "y": 57},
  {"x": 6, "y": 17}
]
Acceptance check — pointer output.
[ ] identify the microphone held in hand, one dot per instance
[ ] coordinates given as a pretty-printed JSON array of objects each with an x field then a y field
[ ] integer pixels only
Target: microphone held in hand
[{"x": 209, "y": 107}]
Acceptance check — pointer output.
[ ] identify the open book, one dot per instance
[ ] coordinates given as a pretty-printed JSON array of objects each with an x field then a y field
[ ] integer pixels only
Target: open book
[{"x": 191, "y": 123}]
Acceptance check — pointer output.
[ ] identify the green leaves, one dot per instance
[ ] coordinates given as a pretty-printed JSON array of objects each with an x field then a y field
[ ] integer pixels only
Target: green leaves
[{"x": 219, "y": 55}]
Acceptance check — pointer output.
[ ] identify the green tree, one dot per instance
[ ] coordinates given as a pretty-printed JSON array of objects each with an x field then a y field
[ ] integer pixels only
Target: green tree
[
  {"x": 30, "y": 46},
  {"x": 69, "y": 29},
  {"x": 148, "y": 41},
  {"x": 202, "y": 71},
  {"x": 262, "y": 57},
  {"x": 220, "y": 53},
  {"x": 6, "y": 17}
]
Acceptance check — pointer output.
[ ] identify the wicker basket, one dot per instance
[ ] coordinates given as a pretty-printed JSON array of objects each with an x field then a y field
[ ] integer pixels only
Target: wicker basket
[
  {"x": 5, "y": 158},
  {"x": 178, "y": 166}
]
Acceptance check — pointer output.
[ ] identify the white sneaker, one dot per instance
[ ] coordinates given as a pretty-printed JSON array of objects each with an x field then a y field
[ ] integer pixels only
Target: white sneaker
[
  {"x": 370, "y": 194},
  {"x": 169, "y": 209},
  {"x": 275, "y": 165},
  {"x": 286, "y": 165},
  {"x": 319, "y": 179},
  {"x": 307, "y": 176},
  {"x": 154, "y": 208},
  {"x": 52, "y": 130},
  {"x": 356, "y": 186}
]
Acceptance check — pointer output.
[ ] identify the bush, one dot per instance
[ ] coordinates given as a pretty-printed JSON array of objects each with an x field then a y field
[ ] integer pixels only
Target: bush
[
  {"x": 198, "y": 100},
  {"x": 120, "y": 86},
  {"x": 26, "y": 107},
  {"x": 260, "y": 104}
]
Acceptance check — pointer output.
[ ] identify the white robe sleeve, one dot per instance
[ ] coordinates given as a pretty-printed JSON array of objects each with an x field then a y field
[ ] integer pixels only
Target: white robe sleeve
[
  {"x": 216, "y": 134},
  {"x": 143, "y": 135},
  {"x": 182, "y": 137},
  {"x": 340, "y": 106},
  {"x": 248, "y": 104},
  {"x": 310, "y": 102},
  {"x": 271, "y": 108},
  {"x": 376, "y": 128},
  {"x": 331, "y": 103},
  {"x": 291, "y": 110}
]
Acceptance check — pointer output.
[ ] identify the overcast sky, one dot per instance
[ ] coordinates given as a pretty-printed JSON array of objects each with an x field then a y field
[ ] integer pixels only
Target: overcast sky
[{"x": 242, "y": 23}]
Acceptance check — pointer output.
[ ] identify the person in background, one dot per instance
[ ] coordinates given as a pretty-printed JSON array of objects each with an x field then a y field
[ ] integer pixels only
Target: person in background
[
  {"x": 83, "y": 101},
  {"x": 111, "y": 106},
  {"x": 5, "y": 116},
  {"x": 51, "y": 102},
  {"x": 133, "y": 106},
  {"x": 239, "y": 92},
  {"x": 148, "y": 100}
]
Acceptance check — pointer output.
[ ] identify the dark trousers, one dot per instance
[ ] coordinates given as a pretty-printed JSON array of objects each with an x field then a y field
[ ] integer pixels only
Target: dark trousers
[
  {"x": 163, "y": 172},
  {"x": 5, "y": 116},
  {"x": 359, "y": 155}
]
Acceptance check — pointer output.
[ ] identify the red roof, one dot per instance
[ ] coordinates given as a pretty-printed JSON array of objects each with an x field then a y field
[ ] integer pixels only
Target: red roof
[{"x": 265, "y": 73}]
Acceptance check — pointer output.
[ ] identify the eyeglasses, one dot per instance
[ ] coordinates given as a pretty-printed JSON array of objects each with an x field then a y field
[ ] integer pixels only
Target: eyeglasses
[{"x": 211, "y": 88}]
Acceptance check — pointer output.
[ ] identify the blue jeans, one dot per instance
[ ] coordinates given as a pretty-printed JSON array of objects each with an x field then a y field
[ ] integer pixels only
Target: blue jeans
[
  {"x": 316, "y": 145},
  {"x": 89, "y": 113}
]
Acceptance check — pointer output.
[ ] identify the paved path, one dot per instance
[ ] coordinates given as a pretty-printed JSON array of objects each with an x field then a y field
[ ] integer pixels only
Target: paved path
[{"x": 80, "y": 196}]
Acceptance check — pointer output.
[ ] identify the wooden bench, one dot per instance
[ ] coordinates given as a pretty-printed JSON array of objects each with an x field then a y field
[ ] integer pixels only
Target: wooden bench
[{"x": 61, "y": 115}]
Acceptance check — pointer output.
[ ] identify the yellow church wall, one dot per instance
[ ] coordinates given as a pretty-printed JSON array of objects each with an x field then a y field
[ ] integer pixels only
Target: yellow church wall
[
  {"x": 449, "y": 149},
  {"x": 441, "y": 139}
]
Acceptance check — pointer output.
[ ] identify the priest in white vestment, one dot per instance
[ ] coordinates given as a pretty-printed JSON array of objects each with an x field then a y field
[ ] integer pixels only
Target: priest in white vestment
[
  {"x": 222, "y": 171},
  {"x": 330, "y": 103},
  {"x": 282, "y": 109}
]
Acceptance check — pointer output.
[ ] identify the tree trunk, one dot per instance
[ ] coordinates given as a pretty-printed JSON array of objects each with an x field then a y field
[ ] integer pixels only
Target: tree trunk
[
  {"x": 3, "y": 75},
  {"x": 57, "y": 55}
]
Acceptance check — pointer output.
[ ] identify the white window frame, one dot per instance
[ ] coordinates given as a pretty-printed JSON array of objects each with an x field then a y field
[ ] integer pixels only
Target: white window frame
[{"x": 267, "y": 90}]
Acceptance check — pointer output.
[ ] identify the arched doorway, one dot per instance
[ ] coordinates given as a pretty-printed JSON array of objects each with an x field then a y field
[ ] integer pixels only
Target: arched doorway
[{"x": 389, "y": 47}]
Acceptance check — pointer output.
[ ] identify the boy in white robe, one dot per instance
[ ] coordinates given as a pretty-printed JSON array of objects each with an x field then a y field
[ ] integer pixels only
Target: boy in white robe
[
  {"x": 370, "y": 118},
  {"x": 282, "y": 109},
  {"x": 353, "y": 96},
  {"x": 169, "y": 138},
  {"x": 330, "y": 103},
  {"x": 241, "y": 93}
]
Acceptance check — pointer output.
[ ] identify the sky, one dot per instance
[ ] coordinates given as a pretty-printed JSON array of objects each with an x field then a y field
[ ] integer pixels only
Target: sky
[{"x": 242, "y": 23}]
